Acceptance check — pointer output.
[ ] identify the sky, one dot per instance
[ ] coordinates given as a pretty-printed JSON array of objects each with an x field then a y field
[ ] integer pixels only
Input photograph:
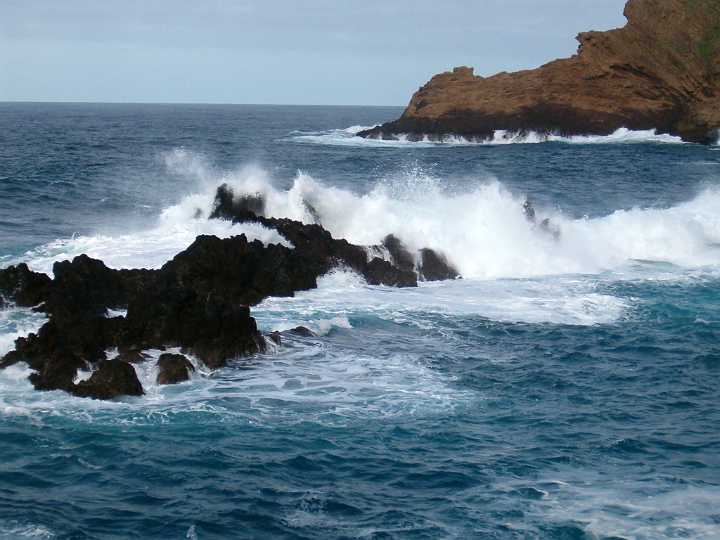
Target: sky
[{"x": 318, "y": 52}]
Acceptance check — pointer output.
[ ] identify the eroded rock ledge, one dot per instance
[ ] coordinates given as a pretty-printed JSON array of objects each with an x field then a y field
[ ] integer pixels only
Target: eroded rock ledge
[
  {"x": 198, "y": 302},
  {"x": 661, "y": 71}
]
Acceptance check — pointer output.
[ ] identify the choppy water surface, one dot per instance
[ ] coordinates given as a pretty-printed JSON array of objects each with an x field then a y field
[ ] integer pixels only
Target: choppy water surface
[{"x": 565, "y": 388}]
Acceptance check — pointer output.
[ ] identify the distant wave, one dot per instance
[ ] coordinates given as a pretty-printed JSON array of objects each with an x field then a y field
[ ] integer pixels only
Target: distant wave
[{"x": 349, "y": 137}]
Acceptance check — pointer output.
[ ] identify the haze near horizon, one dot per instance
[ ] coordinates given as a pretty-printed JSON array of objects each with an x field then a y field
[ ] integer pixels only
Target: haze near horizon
[{"x": 322, "y": 52}]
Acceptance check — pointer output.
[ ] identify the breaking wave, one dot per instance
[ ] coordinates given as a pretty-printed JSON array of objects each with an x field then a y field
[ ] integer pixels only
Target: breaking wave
[
  {"x": 349, "y": 137},
  {"x": 483, "y": 231}
]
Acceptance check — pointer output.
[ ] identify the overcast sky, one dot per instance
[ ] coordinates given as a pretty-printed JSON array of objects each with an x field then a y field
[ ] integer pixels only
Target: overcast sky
[{"x": 371, "y": 52}]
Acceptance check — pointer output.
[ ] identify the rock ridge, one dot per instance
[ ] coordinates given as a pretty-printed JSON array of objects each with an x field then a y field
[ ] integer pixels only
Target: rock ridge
[{"x": 198, "y": 302}]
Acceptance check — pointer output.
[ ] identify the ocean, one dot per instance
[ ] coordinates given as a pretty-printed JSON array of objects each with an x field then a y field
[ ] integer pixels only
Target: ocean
[{"x": 565, "y": 388}]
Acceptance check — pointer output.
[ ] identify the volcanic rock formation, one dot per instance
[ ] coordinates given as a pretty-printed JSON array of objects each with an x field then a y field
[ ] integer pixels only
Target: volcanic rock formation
[
  {"x": 173, "y": 369},
  {"x": 197, "y": 302},
  {"x": 660, "y": 71}
]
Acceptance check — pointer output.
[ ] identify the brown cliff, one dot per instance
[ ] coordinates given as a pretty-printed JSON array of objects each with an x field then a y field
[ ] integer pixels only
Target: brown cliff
[{"x": 660, "y": 71}]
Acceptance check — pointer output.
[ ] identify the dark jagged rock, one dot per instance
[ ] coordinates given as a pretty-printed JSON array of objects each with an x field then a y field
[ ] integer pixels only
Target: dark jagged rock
[
  {"x": 275, "y": 337},
  {"x": 661, "y": 71},
  {"x": 58, "y": 372},
  {"x": 198, "y": 301},
  {"x": 173, "y": 369},
  {"x": 400, "y": 255},
  {"x": 209, "y": 325},
  {"x": 381, "y": 272},
  {"x": 301, "y": 331},
  {"x": 316, "y": 251},
  {"x": 435, "y": 267},
  {"x": 23, "y": 286},
  {"x": 61, "y": 347},
  {"x": 111, "y": 379},
  {"x": 432, "y": 266},
  {"x": 230, "y": 333},
  {"x": 86, "y": 286},
  {"x": 228, "y": 206},
  {"x": 85, "y": 339},
  {"x": 132, "y": 356},
  {"x": 243, "y": 272}
]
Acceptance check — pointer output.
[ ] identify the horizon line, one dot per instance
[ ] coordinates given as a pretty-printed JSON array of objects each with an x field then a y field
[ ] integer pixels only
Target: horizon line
[{"x": 83, "y": 102}]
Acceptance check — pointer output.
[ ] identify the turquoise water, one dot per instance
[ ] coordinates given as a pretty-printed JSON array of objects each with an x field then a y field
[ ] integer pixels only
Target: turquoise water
[{"x": 565, "y": 388}]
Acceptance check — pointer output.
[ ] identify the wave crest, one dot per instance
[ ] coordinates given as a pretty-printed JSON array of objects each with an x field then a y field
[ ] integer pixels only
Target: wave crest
[
  {"x": 349, "y": 137},
  {"x": 484, "y": 231}
]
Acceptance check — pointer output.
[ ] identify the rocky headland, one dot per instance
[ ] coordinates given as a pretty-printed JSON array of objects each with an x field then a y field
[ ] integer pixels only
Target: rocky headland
[
  {"x": 198, "y": 302},
  {"x": 660, "y": 71}
]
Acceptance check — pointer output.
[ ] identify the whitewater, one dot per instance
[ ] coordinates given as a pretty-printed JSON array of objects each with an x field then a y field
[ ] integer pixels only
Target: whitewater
[
  {"x": 564, "y": 387},
  {"x": 484, "y": 231}
]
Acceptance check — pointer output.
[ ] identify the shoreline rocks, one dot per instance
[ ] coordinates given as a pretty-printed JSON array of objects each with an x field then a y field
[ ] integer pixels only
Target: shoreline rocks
[
  {"x": 660, "y": 71},
  {"x": 199, "y": 302},
  {"x": 173, "y": 369},
  {"x": 315, "y": 248},
  {"x": 111, "y": 379}
]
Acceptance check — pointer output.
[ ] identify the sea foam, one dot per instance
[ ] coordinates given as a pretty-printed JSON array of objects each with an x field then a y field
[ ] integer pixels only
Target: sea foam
[
  {"x": 483, "y": 230},
  {"x": 349, "y": 137}
]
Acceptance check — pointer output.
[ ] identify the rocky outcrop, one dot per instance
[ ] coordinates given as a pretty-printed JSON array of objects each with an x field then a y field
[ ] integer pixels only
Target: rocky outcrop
[
  {"x": 399, "y": 254},
  {"x": 111, "y": 379},
  {"x": 301, "y": 331},
  {"x": 24, "y": 287},
  {"x": 660, "y": 71},
  {"x": 430, "y": 265},
  {"x": 172, "y": 306},
  {"x": 199, "y": 302},
  {"x": 315, "y": 250},
  {"x": 173, "y": 369},
  {"x": 435, "y": 267}
]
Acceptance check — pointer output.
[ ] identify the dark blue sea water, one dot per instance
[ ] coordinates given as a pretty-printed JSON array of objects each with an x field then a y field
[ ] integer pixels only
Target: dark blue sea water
[{"x": 566, "y": 388}]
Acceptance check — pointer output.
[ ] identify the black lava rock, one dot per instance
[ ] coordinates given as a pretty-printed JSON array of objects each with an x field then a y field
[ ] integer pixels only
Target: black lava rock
[
  {"x": 111, "y": 379},
  {"x": 435, "y": 267},
  {"x": 173, "y": 369}
]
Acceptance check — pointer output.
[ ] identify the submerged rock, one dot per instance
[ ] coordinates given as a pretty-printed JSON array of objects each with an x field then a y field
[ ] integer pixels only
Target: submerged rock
[
  {"x": 660, "y": 71},
  {"x": 173, "y": 369},
  {"x": 301, "y": 331},
  {"x": 529, "y": 210},
  {"x": 545, "y": 225},
  {"x": 111, "y": 379}
]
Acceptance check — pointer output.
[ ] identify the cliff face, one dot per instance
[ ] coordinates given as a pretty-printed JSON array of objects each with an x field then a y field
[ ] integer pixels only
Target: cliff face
[{"x": 661, "y": 70}]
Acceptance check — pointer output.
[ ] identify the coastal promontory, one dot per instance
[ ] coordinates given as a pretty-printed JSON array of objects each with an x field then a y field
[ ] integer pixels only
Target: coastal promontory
[{"x": 660, "y": 71}]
